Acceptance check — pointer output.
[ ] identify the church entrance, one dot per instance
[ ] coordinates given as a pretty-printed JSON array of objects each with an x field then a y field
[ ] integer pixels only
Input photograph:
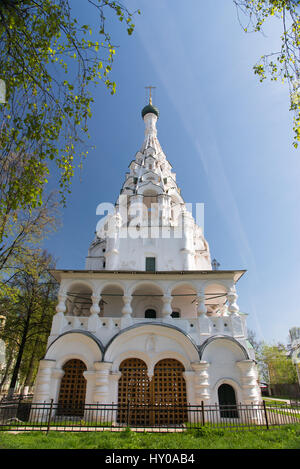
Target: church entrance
[
  {"x": 227, "y": 401},
  {"x": 134, "y": 393},
  {"x": 168, "y": 392},
  {"x": 72, "y": 392},
  {"x": 161, "y": 401}
]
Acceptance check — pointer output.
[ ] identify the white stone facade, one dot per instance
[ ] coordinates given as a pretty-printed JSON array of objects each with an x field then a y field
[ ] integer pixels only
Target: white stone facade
[
  {"x": 103, "y": 311},
  {"x": 150, "y": 219}
]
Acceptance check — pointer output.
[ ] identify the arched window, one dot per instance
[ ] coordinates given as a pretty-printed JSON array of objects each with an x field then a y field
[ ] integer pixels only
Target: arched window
[
  {"x": 150, "y": 264},
  {"x": 175, "y": 314},
  {"x": 150, "y": 314}
]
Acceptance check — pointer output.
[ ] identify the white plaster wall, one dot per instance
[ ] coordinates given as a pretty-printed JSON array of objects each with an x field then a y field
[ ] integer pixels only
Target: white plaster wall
[
  {"x": 67, "y": 347},
  {"x": 140, "y": 305},
  {"x": 113, "y": 306},
  {"x": 186, "y": 306},
  {"x": 74, "y": 345},
  {"x": 222, "y": 356},
  {"x": 151, "y": 342},
  {"x": 133, "y": 252}
]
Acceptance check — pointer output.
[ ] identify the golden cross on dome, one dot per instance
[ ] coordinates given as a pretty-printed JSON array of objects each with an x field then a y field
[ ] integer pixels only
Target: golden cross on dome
[{"x": 150, "y": 94}]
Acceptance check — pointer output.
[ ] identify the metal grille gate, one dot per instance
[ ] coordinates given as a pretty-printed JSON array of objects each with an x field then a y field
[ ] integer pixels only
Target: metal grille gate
[
  {"x": 134, "y": 389},
  {"x": 168, "y": 391},
  {"x": 161, "y": 401},
  {"x": 71, "y": 399}
]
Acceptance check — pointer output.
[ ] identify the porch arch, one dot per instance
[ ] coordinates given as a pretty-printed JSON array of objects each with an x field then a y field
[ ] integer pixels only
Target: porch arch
[
  {"x": 166, "y": 337},
  {"x": 227, "y": 340},
  {"x": 168, "y": 392},
  {"x": 79, "y": 298},
  {"x": 77, "y": 344},
  {"x": 160, "y": 399},
  {"x": 72, "y": 391}
]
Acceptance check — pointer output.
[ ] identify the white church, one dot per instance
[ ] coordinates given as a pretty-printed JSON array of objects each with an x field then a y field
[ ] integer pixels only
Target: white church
[{"x": 149, "y": 320}]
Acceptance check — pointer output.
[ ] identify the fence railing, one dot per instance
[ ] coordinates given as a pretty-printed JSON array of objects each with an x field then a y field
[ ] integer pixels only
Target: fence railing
[
  {"x": 24, "y": 415},
  {"x": 15, "y": 397}
]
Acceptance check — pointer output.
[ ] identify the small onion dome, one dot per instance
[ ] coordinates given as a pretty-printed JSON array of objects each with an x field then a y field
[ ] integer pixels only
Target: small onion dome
[{"x": 150, "y": 109}]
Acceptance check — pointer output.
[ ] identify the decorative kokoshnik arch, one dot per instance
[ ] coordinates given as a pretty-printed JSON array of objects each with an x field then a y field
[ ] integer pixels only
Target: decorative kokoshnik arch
[
  {"x": 76, "y": 345},
  {"x": 223, "y": 338},
  {"x": 77, "y": 341},
  {"x": 152, "y": 329},
  {"x": 152, "y": 342}
]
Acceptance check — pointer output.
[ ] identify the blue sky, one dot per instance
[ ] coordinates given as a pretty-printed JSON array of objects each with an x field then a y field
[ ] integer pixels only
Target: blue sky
[{"x": 228, "y": 137}]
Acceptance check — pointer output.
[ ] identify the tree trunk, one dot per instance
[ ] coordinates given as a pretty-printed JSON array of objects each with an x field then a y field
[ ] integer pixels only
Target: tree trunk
[
  {"x": 15, "y": 374},
  {"x": 29, "y": 374},
  {"x": 28, "y": 381},
  {"x": 8, "y": 367}
]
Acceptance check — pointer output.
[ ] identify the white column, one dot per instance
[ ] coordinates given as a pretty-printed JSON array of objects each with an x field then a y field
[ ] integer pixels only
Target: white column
[
  {"x": 201, "y": 382},
  {"x": 126, "y": 319},
  {"x": 89, "y": 376},
  {"x": 56, "y": 377},
  {"x": 61, "y": 306},
  {"x": 95, "y": 308},
  {"x": 189, "y": 377},
  {"x": 114, "y": 382},
  {"x": 203, "y": 320},
  {"x": 101, "y": 390},
  {"x": 94, "y": 322},
  {"x": 59, "y": 321},
  {"x": 250, "y": 388},
  {"x": 235, "y": 318},
  {"x": 167, "y": 308},
  {"x": 201, "y": 308},
  {"x": 232, "y": 297},
  {"x": 43, "y": 381}
]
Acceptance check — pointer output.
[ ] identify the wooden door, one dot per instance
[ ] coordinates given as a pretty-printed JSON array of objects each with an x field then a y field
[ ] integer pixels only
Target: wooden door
[
  {"x": 133, "y": 394},
  {"x": 159, "y": 402},
  {"x": 168, "y": 393},
  {"x": 72, "y": 389}
]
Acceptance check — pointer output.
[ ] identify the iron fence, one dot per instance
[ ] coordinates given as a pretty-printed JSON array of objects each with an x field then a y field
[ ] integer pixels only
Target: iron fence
[
  {"x": 23, "y": 415},
  {"x": 16, "y": 397}
]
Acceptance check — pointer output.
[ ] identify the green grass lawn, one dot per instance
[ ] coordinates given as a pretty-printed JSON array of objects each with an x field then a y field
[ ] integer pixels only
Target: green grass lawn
[{"x": 286, "y": 437}]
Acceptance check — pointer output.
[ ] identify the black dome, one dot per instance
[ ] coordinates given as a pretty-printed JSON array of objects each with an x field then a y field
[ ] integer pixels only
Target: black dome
[{"x": 150, "y": 109}]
